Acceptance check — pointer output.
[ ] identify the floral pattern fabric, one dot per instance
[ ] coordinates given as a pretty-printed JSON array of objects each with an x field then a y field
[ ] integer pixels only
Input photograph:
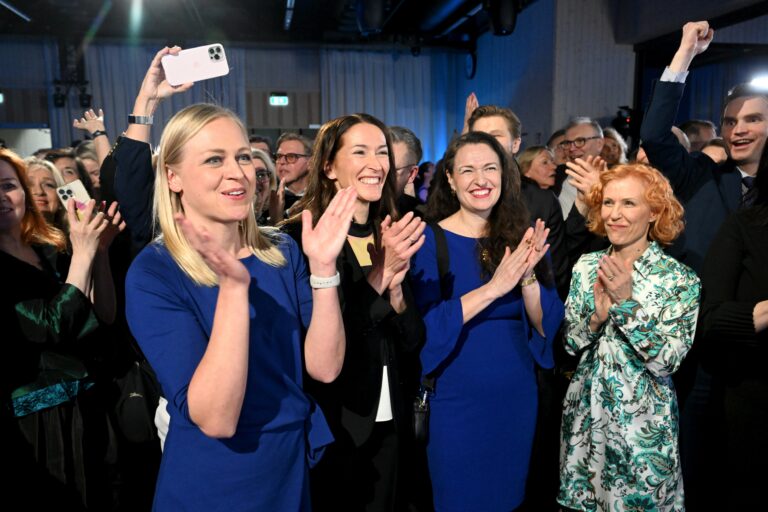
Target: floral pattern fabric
[{"x": 619, "y": 448}]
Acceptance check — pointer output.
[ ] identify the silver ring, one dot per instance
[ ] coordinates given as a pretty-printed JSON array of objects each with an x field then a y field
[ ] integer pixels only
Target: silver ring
[{"x": 610, "y": 278}]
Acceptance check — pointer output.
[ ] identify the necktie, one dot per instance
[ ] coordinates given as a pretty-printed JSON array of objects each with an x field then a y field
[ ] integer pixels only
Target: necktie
[{"x": 748, "y": 191}]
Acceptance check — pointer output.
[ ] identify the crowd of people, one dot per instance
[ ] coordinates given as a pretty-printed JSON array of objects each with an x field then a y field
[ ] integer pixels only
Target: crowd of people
[{"x": 570, "y": 326}]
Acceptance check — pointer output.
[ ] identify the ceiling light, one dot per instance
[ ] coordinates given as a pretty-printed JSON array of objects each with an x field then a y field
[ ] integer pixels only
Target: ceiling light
[{"x": 760, "y": 81}]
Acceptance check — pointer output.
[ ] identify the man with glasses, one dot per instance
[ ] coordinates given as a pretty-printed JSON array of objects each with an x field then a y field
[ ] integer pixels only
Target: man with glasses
[
  {"x": 407, "y": 155},
  {"x": 583, "y": 138},
  {"x": 292, "y": 162}
]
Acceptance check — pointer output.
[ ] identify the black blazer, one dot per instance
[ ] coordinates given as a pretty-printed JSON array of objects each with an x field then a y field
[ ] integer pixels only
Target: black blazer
[
  {"x": 708, "y": 191},
  {"x": 376, "y": 336}
]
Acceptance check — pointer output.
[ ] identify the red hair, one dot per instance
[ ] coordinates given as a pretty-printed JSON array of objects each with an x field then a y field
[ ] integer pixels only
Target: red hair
[
  {"x": 34, "y": 228},
  {"x": 658, "y": 195}
]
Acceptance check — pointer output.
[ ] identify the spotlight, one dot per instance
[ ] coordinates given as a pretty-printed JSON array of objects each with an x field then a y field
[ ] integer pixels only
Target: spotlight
[
  {"x": 503, "y": 14},
  {"x": 760, "y": 82},
  {"x": 59, "y": 98},
  {"x": 85, "y": 98}
]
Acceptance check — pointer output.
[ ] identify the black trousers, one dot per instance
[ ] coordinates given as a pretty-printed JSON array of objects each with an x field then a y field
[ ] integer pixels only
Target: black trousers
[{"x": 360, "y": 478}]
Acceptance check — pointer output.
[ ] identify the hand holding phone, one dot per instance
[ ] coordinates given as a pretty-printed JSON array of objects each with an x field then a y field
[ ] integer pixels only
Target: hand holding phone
[
  {"x": 76, "y": 191},
  {"x": 195, "y": 64}
]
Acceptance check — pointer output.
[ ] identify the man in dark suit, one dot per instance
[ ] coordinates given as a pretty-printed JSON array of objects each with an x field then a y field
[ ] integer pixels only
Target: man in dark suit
[{"x": 710, "y": 193}]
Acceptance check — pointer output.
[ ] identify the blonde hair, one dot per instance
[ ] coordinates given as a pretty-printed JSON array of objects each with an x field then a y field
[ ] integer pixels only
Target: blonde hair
[
  {"x": 262, "y": 242},
  {"x": 33, "y": 161}
]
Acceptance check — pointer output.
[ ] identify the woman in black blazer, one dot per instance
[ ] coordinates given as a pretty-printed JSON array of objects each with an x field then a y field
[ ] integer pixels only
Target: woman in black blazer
[{"x": 368, "y": 404}]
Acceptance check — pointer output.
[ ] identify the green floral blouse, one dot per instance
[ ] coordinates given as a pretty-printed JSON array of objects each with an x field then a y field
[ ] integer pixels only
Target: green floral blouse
[{"x": 619, "y": 449}]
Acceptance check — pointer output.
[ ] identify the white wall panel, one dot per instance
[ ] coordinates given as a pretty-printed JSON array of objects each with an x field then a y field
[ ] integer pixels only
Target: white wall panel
[{"x": 593, "y": 74}]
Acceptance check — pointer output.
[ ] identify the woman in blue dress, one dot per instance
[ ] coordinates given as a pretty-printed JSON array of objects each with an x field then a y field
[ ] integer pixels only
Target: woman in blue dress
[
  {"x": 224, "y": 312},
  {"x": 489, "y": 321}
]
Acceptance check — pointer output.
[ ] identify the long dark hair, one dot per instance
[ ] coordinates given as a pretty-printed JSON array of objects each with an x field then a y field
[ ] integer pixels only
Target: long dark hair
[
  {"x": 509, "y": 218},
  {"x": 321, "y": 188}
]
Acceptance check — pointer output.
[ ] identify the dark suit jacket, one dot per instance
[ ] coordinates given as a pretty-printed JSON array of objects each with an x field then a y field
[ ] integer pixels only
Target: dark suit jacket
[
  {"x": 708, "y": 191},
  {"x": 376, "y": 336}
]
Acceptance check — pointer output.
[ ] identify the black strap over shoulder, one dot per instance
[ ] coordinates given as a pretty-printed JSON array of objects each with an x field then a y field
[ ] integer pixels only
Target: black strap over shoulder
[
  {"x": 443, "y": 263},
  {"x": 443, "y": 260}
]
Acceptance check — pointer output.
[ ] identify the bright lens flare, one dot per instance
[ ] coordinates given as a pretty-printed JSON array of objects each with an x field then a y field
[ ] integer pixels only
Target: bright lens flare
[{"x": 760, "y": 81}]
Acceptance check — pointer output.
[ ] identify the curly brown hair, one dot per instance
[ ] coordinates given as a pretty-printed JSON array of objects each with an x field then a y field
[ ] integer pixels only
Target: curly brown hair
[
  {"x": 509, "y": 218},
  {"x": 321, "y": 188},
  {"x": 658, "y": 194}
]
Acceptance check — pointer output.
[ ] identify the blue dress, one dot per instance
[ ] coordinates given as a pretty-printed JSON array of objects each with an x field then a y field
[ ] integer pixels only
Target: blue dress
[
  {"x": 483, "y": 412},
  {"x": 264, "y": 466}
]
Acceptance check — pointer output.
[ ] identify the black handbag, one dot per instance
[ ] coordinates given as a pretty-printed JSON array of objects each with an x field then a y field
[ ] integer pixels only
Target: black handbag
[
  {"x": 421, "y": 410},
  {"x": 138, "y": 393},
  {"x": 427, "y": 389}
]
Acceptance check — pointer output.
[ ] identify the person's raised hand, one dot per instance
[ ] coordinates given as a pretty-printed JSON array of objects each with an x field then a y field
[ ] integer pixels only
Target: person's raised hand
[
  {"x": 471, "y": 104},
  {"x": 90, "y": 122},
  {"x": 697, "y": 35},
  {"x": 155, "y": 86},
  {"x": 323, "y": 242},
  {"x": 584, "y": 173}
]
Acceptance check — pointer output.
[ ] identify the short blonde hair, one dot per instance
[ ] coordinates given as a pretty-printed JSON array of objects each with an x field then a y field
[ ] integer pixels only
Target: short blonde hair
[
  {"x": 262, "y": 242},
  {"x": 526, "y": 158},
  {"x": 658, "y": 194}
]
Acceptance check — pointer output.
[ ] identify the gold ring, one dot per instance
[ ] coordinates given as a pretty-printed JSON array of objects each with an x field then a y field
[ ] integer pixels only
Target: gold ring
[{"x": 610, "y": 278}]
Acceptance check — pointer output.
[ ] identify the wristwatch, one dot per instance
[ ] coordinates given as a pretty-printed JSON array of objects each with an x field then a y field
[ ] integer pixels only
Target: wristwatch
[{"x": 140, "y": 119}]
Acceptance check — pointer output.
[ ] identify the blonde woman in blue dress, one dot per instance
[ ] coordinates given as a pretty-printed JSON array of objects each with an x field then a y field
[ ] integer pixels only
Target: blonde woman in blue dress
[{"x": 630, "y": 317}]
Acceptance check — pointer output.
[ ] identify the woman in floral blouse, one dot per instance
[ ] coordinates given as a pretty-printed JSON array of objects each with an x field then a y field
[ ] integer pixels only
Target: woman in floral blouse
[{"x": 630, "y": 316}]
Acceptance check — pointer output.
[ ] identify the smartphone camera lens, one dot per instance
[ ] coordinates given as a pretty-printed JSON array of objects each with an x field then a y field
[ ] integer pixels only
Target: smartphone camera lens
[
  {"x": 211, "y": 51},
  {"x": 217, "y": 56}
]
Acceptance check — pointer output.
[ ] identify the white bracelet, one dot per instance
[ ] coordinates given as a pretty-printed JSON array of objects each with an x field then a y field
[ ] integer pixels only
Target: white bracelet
[{"x": 325, "y": 282}]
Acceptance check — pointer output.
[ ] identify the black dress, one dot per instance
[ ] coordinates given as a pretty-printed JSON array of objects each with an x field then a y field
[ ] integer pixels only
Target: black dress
[
  {"x": 735, "y": 279},
  {"x": 58, "y": 442}
]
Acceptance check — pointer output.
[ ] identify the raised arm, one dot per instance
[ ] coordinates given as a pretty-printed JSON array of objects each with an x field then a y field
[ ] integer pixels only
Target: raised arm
[
  {"x": 134, "y": 176},
  {"x": 661, "y": 146},
  {"x": 154, "y": 89},
  {"x": 325, "y": 343},
  {"x": 94, "y": 125}
]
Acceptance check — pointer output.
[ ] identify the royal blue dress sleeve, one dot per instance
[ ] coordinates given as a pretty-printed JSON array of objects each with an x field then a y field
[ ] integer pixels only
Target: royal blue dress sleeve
[
  {"x": 443, "y": 318},
  {"x": 163, "y": 322}
]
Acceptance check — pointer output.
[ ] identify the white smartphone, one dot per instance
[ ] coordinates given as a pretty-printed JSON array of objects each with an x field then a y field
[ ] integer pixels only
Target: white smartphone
[
  {"x": 195, "y": 64},
  {"x": 74, "y": 190}
]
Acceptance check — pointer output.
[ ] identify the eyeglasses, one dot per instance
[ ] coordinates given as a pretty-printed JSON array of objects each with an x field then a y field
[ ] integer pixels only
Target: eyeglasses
[
  {"x": 290, "y": 158},
  {"x": 577, "y": 142},
  {"x": 409, "y": 166},
  {"x": 262, "y": 175}
]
